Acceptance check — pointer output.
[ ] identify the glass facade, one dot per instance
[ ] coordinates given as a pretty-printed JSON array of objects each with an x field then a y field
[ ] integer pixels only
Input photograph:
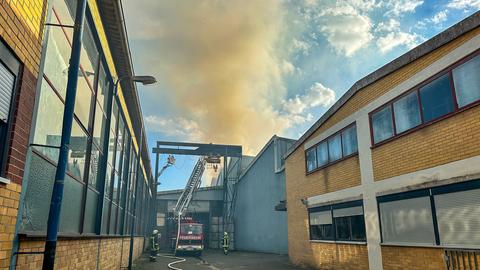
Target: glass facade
[{"x": 87, "y": 175}]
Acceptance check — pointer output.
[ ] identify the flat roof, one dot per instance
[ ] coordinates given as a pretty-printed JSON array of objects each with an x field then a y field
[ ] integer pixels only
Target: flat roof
[{"x": 451, "y": 33}]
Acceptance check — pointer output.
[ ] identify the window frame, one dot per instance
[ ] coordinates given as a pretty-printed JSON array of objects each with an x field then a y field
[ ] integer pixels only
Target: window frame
[
  {"x": 456, "y": 109},
  {"x": 330, "y": 208},
  {"x": 10, "y": 61},
  {"x": 329, "y": 163}
]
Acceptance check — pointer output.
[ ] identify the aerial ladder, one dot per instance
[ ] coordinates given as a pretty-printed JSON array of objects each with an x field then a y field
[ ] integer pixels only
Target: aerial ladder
[{"x": 184, "y": 200}]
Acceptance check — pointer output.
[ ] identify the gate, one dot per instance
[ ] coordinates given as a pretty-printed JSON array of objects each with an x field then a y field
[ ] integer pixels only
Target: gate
[{"x": 462, "y": 259}]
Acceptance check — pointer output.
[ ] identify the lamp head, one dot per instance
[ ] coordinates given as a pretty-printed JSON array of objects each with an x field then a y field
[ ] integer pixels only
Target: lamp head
[{"x": 145, "y": 80}]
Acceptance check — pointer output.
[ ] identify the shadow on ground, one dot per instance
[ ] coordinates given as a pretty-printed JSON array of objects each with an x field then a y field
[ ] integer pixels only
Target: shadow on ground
[{"x": 216, "y": 260}]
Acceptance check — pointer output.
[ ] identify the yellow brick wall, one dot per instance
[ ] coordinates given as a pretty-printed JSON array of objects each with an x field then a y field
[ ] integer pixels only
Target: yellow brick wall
[
  {"x": 9, "y": 199},
  {"x": 412, "y": 258},
  {"x": 81, "y": 253},
  {"x": 448, "y": 140},
  {"x": 299, "y": 185},
  {"x": 21, "y": 26}
]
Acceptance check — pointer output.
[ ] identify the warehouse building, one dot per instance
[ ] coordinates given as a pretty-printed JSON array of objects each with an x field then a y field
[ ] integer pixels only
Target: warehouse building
[
  {"x": 260, "y": 218},
  {"x": 389, "y": 177},
  {"x": 97, "y": 211}
]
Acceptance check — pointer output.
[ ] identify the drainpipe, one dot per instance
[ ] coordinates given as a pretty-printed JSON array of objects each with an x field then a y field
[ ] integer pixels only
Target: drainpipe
[{"x": 57, "y": 194}]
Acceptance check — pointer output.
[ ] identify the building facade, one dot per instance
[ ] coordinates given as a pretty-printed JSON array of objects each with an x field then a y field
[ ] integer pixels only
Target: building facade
[
  {"x": 389, "y": 177},
  {"x": 259, "y": 217},
  {"x": 108, "y": 163}
]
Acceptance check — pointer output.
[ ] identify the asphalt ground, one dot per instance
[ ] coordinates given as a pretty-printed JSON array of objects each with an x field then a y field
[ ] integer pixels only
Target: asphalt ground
[{"x": 216, "y": 260}]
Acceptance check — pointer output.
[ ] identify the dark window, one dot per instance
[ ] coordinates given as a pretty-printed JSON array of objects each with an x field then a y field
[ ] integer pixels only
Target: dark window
[
  {"x": 436, "y": 98},
  {"x": 382, "y": 124},
  {"x": 338, "y": 222},
  {"x": 340, "y": 145},
  {"x": 7, "y": 85}
]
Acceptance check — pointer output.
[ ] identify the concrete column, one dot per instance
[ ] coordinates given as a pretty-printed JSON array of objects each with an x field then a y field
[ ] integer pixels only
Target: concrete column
[{"x": 372, "y": 224}]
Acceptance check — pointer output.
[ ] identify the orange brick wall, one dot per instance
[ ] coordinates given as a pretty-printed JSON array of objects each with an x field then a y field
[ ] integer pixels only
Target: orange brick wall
[
  {"x": 299, "y": 185},
  {"x": 81, "y": 253},
  {"x": 448, "y": 140},
  {"x": 9, "y": 198},
  {"x": 412, "y": 258}
]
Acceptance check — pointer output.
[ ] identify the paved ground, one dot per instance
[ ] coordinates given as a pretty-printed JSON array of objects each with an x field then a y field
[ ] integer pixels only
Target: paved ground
[{"x": 215, "y": 260}]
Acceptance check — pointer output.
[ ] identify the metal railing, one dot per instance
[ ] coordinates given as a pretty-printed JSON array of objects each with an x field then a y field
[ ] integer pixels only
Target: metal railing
[{"x": 462, "y": 259}]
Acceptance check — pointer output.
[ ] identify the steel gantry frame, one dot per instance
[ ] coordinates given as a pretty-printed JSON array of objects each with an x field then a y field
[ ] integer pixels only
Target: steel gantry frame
[{"x": 203, "y": 149}]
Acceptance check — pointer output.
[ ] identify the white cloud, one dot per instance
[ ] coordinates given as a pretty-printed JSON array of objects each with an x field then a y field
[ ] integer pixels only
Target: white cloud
[
  {"x": 439, "y": 17},
  {"x": 395, "y": 39},
  {"x": 184, "y": 129},
  {"x": 388, "y": 26},
  {"x": 464, "y": 4},
  {"x": 346, "y": 29},
  {"x": 399, "y": 7},
  {"x": 296, "y": 109},
  {"x": 287, "y": 67}
]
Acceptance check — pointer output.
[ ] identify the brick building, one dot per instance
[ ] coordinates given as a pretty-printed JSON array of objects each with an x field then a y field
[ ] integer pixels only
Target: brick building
[
  {"x": 97, "y": 211},
  {"x": 389, "y": 177}
]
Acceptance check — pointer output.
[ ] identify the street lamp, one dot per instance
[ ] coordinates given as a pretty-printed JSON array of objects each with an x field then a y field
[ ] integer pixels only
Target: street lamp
[{"x": 145, "y": 80}]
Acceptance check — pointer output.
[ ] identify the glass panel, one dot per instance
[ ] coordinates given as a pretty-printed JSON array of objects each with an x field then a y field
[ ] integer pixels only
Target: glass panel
[
  {"x": 311, "y": 160},
  {"x": 113, "y": 219},
  {"x": 48, "y": 127},
  {"x": 70, "y": 217},
  {"x": 322, "y": 154},
  {"x": 407, "y": 221},
  {"x": 118, "y": 156},
  {"x": 467, "y": 82},
  {"x": 342, "y": 228},
  {"x": 90, "y": 211},
  {"x": 358, "y": 228},
  {"x": 89, "y": 55},
  {"x": 349, "y": 140},
  {"x": 115, "y": 187},
  {"x": 382, "y": 124},
  {"x": 335, "y": 148},
  {"x": 106, "y": 205},
  {"x": 346, "y": 212},
  {"x": 93, "y": 171},
  {"x": 407, "y": 112},
  {"x": 99, "y": 126},
  {"x": 436, "y": 98},
  {"x": 83, "y": 100},
  {"x": 108, "y": 180},
  {"x": 78, "y": 150},
  {"x": 103, "y": 87},
  {"x": 458, "y": 216}
]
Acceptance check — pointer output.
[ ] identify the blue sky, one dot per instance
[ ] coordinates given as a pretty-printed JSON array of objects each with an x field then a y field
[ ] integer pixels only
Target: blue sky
[{"x": 240, "y": 71}]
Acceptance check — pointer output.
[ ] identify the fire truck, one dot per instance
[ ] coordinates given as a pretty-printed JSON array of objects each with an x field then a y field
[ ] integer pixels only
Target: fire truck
[{"x": 190, "y": 238}]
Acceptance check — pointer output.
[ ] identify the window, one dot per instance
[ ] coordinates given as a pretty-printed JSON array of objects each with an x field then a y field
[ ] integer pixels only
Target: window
[
  {"x": 349, "y": 139},
  {"x": 458, "y": 216},
  {"x": 322, "y": 154},
  {"x": 311, "y": 160},
  {"x": 407, "y": 113},
  {"x": 447, "y": 93},
  {"x": 340, "y": 222},
  {"x": 407, "y": 221},
  {"x": 466, "y": 78},
  {"x": 9, "y": 69},
  {"x": 436, "y": 98},
  {"x": 382, "y": 124},
  {"x": 446, "y": 215},
  {"x": 349, "y": 224},
  {"x": 336, "y": 147}
]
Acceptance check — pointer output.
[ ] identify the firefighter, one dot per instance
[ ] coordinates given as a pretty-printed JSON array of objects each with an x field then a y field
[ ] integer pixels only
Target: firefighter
[
  {"x": 226, "y": 243},
  {"x": 154, "y": 239}
]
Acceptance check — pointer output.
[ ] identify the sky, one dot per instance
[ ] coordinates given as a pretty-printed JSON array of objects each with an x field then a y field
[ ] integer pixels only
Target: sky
[{"x": 240, "y": 71}]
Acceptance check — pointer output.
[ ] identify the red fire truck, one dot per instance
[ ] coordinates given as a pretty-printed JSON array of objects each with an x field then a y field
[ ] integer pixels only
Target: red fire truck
[{"x": 190, "y": 238}]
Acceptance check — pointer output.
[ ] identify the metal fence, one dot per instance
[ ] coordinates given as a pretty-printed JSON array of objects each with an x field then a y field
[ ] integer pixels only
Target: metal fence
[{"x": 462, "y": 259}]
